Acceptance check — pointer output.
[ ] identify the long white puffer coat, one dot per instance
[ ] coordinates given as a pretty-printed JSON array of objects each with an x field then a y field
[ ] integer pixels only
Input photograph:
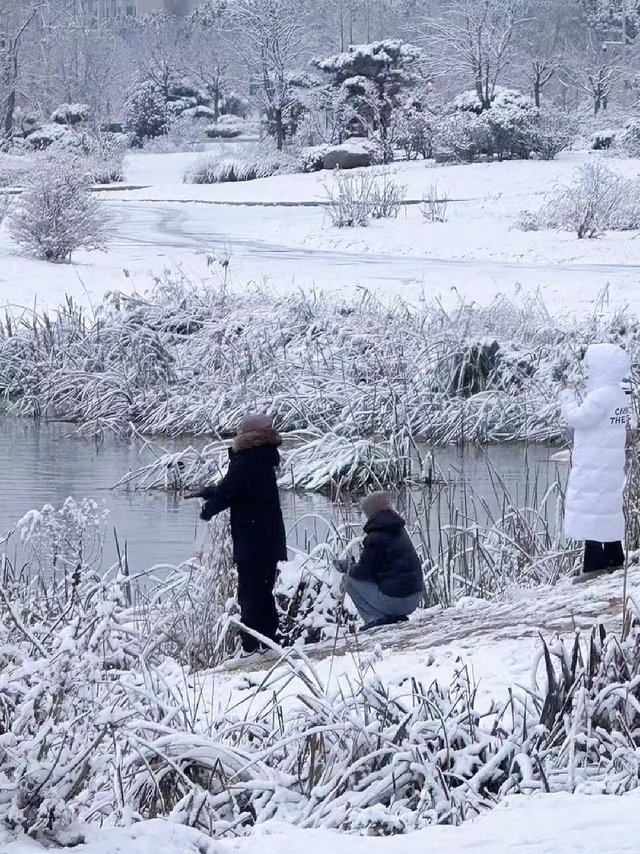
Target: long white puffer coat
[{"x": 593, "y": 506}]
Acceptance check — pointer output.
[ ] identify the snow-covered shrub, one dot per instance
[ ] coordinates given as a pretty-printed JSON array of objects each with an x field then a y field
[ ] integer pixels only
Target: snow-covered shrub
[
  {"x": 552, "y": 132},
  {"x": 71, "y": 114},
  {"x": 13, "y": 169},
  {"x": 310, "y": 599},
  {"x": 387, "y": 196},
  {"x": 244, "y": 164},
  {"x": 61, "y": 543},
  {"x": 105, "y": 157},
  {"x": 603, "y": 140},
  {"x": 190, "y": 624},
  {"x": 200, "y": 113},
  {"x": 218, "y": 131},
  {"x": 227, "y": 127},
  {"x": 57, "y": 213},
  {"x": 44, "y": 137},
  {"x": 349, "y": 199},
  {"x": 597, "y": 200},
  {"x": 331, "y": 462},
  {"x": 311, "y": 158},
  {"x": 630, "y": 138},
  {"x": 512, "y": 127},
  {"x": 434, "y": 205},
  {"x": 461, "y": 137},
  {"x": 106, "y": 167},
  {"x": 512, "y": 124},
  {"x": 146, "y": 113},
  {"x": 183, "y": 134},
  {"x": 529, "y": 221},
  {"x": 415, "y": 132}
]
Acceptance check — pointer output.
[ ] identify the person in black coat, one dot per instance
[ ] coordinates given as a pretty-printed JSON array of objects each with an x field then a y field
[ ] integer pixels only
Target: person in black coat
[
  {"x": 249, "y": 490},
  {"x": 386, "y": 584}
]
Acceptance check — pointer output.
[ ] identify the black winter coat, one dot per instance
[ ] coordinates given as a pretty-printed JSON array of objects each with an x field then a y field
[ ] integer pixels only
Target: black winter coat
[
  {"x": 249, "y": 489},
  {"x": 389, "y": 558}
]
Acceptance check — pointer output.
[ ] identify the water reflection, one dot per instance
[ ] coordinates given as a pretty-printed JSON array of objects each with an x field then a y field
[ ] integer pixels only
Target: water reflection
[{"x": 45, "y": 464}]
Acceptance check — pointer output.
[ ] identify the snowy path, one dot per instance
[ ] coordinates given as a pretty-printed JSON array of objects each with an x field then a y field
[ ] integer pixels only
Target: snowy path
[
  {"x": 257, "y": 253},
  {"x": 499, "y": 642},
  {"x": 275, "y": 231}
]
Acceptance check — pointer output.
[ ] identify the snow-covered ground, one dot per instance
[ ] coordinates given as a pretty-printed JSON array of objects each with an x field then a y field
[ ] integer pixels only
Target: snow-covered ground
[
  {"x": 543, "y": 824},
  {"x": 499, "y": 643},
  {"x": 277, "y": 230}
]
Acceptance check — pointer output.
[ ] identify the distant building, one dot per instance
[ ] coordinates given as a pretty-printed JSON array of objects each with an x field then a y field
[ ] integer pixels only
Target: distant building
[{"x": 102, "y": 10}]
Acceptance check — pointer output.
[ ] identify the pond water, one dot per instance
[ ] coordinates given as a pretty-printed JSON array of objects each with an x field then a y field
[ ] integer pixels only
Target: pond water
[{"x": 45, "y": 464}]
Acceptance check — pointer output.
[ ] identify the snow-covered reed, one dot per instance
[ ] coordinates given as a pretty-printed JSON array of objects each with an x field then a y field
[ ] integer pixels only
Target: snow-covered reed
[
  {"x": 188, "y": 360},
  {"x": 311, "y": 461},
  {"x": 101, "y": 724}
]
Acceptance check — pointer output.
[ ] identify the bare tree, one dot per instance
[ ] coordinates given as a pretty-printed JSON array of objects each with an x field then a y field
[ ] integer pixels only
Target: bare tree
[
  {"x": 595, "y": 70},
  {"x": 16, "y": 16},
  {"x": 158, "y": 44},
  {"x": 211, "y": 59},
  {"x": 272, "y": 37},
  {"x": 542, "y": 42},
  {"x": 476, "y": 38}
]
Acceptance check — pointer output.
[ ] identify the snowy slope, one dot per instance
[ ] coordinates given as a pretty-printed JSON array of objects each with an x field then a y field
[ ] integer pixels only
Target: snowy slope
[{"x": 500, "y": 642}]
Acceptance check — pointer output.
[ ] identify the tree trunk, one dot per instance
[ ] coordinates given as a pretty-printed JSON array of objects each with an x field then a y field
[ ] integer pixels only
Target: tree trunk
[
  {"x": 277, "y": 115},
  {"x": 597, "y": 103},
  {"x": 537, "y": 87},
  {"x": 9, "y": 79}
]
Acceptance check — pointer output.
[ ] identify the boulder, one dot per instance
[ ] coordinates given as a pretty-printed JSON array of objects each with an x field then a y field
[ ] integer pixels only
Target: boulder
[{"x": 347, "y": 156}]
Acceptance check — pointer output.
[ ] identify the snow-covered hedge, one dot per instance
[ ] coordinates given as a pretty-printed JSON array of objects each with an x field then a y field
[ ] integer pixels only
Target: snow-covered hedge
[
  {"x": 226, "y": 127},
  {"x": 246, "y": 163},
  {"x": 513, "y": 127},
  {"x": 603, "y": 140},
  {"x": 71, "y": 114}
]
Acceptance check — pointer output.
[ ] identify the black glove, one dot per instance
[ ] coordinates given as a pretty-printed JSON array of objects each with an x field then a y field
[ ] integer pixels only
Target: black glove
[{"x": 205, "y": 514}]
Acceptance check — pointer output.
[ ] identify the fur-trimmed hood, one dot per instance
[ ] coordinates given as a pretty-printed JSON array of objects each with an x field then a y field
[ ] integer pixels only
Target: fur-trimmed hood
[{"x": 266, "y": 438}]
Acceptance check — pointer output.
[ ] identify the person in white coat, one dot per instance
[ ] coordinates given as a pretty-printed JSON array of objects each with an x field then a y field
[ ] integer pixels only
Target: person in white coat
[{"x": 594, "y": 501}]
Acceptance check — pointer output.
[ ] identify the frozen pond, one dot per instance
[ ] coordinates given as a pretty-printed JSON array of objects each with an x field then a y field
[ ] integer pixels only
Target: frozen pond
[{"x": 43, "y": 464}]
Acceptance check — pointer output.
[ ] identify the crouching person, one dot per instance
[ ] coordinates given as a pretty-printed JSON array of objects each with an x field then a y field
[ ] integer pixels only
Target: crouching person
[
  {"x": 386, "y": 584},
  {"x": 249, "y": 490}
]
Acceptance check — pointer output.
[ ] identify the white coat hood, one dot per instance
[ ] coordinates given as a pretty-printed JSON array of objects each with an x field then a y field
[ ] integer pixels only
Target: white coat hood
[{"x": 606, "y": 364}]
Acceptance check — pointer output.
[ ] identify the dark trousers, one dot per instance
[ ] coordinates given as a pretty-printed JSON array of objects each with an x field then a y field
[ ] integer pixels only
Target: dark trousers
[
  {"x": 257, "y": 603},
  {"x": 602, "y": 555}
]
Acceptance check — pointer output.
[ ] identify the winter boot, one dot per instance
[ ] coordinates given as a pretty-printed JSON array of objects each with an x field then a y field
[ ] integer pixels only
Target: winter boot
[
  {"x": 384, "y": 621},
  {"x": 584, "y": 577},
  {"x": 244, "y": 659}
]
